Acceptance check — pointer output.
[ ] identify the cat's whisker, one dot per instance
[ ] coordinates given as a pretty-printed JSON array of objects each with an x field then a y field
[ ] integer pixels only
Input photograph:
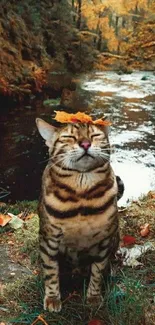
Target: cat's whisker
[
  {"x": 50, "y": 159},
  {"x": 41, "y": 162},
  {"x": 58, "y": 161}
]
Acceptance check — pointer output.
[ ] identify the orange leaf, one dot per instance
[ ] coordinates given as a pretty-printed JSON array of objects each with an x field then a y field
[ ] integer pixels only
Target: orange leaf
[
  {"x": 79, "y": 117},
  {"x": 145, "y": 229},
  {"x": 63, "y": 117},
  {"x": 30, "y": 216},
  {"x": 4, "y": 219},
  {"x": 84, "y": 118},
  {"x": 39, "y": 318},
  {"x": 128, "y": 240},
  {"x": 102, "y": 122}
]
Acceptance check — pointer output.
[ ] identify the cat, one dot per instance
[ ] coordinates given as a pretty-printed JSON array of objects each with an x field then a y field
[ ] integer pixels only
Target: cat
[{"x": 78, "y": 205}]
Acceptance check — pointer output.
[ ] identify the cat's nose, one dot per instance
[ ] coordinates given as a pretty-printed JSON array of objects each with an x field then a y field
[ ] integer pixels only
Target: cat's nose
[{"x": 85, "y": 144}]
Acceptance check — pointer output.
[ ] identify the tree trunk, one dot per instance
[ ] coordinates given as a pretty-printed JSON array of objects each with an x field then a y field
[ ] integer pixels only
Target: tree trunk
[
  {"x": 110, "y": 19},
  {"x": 99, "y": 43},
  {"x": 116, "y": 25},
  {"x": 123, "y": 22},
  {"x": 118, "y": 48},
  {"x": 79, "y": 14}
]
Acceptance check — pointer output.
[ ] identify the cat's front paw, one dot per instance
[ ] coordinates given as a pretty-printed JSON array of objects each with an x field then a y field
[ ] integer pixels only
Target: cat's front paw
[
  {"x": 52, "y": 304},
  {"x": 94, "y": 300}
]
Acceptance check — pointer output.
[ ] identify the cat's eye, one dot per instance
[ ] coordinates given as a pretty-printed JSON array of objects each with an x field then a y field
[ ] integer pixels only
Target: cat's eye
[
  {"x": 97, "y": 135},
  {"x": 68, "y": 137}
]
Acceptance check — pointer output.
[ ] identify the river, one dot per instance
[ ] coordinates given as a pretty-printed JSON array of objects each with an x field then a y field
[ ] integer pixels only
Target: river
[{"x": 129, "y": 102}]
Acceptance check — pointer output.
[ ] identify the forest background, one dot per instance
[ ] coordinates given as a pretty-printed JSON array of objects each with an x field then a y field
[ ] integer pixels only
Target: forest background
[{"x": 40, "y": 37}]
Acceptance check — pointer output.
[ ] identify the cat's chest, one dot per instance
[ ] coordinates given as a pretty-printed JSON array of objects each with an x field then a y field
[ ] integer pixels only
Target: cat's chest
[
  {"x": 83, "y": 233},
  {"x": 82, "y": 240}
]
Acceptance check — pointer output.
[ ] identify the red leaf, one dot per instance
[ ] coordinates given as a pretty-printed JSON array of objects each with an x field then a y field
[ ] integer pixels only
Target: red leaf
[
  {"x": 95, "y": 322},
  {"x": 129, "y": 240}
]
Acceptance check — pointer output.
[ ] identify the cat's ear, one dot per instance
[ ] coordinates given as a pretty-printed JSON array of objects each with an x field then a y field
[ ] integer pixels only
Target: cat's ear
[
  {"x": 106, "y": 130},
  {"x": 46, "y": 130}
]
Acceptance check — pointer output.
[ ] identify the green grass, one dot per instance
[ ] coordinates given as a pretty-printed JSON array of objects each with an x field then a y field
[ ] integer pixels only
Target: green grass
[
  {"x": 20, "y": 206},
  {"x": 28, "y": 237},
  {"x": 125, "y": 302}
]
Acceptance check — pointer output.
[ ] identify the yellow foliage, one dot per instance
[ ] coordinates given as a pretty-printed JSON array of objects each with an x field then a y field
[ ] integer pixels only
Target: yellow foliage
[{"x": 113, "y": 43}]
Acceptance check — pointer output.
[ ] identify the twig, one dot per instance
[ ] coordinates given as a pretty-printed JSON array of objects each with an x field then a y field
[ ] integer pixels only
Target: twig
[
  {"x": 3, "y": 192},
  {"x": 148, "y": 44},
  {"x": 70, "y": 296}
]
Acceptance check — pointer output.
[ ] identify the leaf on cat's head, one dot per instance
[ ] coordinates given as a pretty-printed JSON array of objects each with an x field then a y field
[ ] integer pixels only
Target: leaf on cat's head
[
  {"x": 79, "y": 117},
  {"x": 102, "y": 122}
]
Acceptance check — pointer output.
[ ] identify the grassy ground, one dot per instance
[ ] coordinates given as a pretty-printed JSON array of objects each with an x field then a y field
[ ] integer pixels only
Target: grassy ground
[{"x": 129, "y": 293}]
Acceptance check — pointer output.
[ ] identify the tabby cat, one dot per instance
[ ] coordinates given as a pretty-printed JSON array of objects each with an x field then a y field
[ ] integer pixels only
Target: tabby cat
[{"x": 78, "y": 205}]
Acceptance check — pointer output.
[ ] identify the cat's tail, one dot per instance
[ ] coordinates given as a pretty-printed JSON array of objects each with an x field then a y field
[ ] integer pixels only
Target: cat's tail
[{"x": 121, "y": 187}]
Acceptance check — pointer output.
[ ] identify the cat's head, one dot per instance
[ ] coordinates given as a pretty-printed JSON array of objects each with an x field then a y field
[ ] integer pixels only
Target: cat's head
[{"x": 79, "y": 147}]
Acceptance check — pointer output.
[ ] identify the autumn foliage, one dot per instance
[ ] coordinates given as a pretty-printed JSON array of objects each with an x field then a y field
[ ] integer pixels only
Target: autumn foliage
[
  {"x": 39, "y": 76},
  {"x": 75, "y": 36},
  {"x": 4, "y": 87}
]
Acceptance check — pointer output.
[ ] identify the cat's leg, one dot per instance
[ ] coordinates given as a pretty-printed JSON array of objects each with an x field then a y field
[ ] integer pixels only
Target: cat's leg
[
  {"x": 94, "y": 295},
  {"x": 49, "y": 249}
]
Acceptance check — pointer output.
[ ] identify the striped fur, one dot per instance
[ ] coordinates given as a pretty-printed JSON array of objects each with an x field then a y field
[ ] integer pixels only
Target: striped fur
[{"x": 78, "y": 205}]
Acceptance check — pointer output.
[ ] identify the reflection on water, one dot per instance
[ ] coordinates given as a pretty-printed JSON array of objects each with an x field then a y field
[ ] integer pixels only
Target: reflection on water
[{"x": 127, "y": 100}]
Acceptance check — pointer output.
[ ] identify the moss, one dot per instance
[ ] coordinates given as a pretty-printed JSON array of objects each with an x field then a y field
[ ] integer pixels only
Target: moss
[{"x": 51, "y": 102}]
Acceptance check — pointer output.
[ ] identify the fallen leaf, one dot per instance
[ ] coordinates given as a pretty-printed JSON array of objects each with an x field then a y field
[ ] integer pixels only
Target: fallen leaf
[
  {"x": 39, "y": 318},
  {"x": 10, "y": 242},
  {"x": 30, "y": 216},
  {"x": 131, "y": 254},
  {"x": 95, "y": 322},
  {"x": 128, "y": 240},
  {"x": 145, "y": 229},
  {"x": 36, "y": 272},
  {"x": 15, "y": 222},
  {"x": 4, "y": 219}
]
